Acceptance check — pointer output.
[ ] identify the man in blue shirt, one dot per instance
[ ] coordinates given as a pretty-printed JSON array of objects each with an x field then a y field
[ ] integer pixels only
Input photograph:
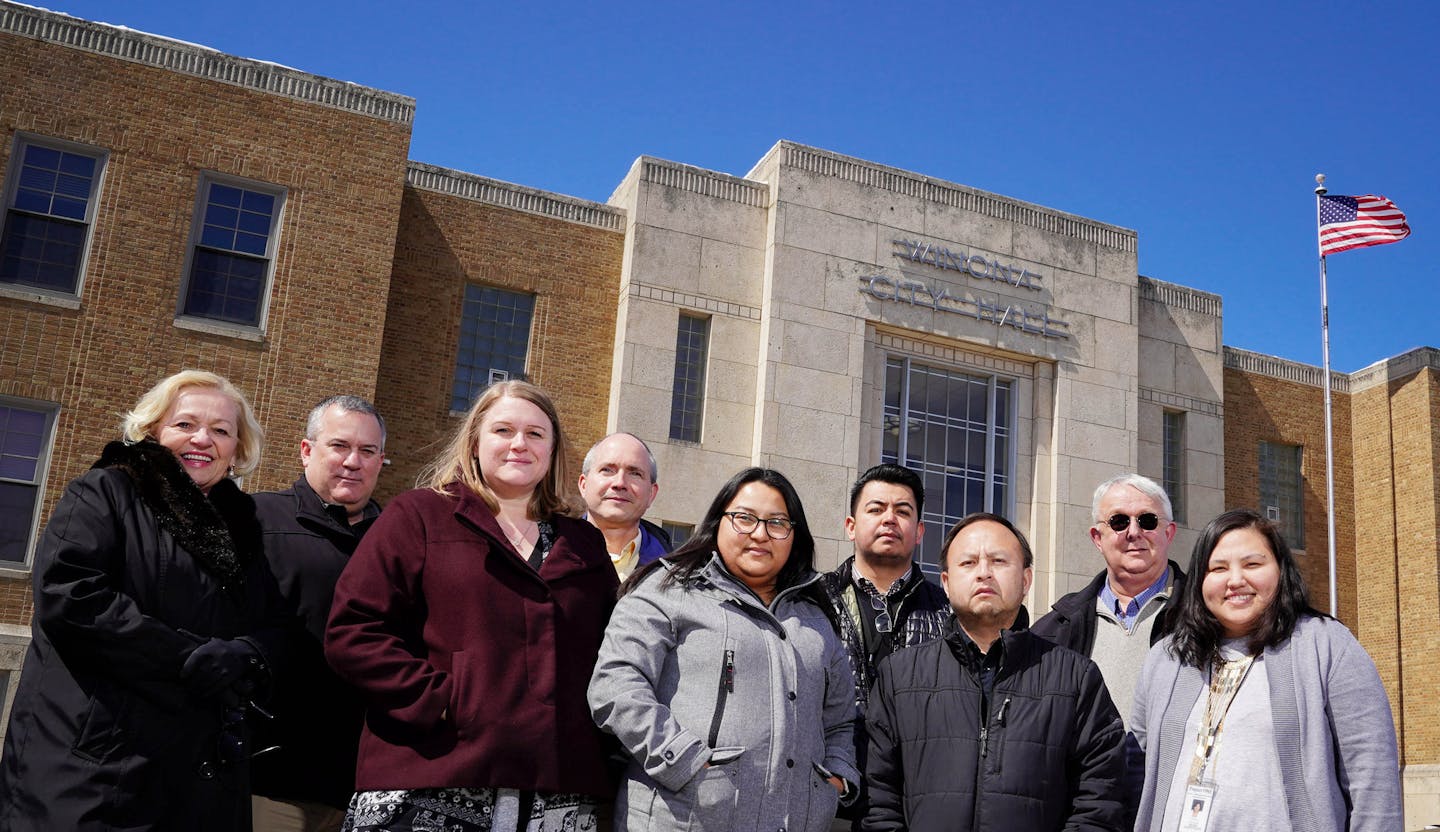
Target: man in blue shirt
[{"x": 619, "y": 481}]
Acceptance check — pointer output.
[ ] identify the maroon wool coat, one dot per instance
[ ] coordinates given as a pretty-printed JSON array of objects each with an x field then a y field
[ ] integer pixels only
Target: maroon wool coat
[{"x": 474, "y": 666}]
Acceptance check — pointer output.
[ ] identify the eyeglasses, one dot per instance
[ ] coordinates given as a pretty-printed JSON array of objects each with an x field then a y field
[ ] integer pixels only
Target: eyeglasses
[
  {"x": 744, "y": 522},
  {"x": 1149, "y": 521},
  {"x": 883, "y": 622}
]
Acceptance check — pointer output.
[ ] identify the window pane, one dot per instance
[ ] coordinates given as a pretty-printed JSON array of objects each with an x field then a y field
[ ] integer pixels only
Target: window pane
[
  {"x": 17, "y": 518},
  {"x": 687, "y": 394},
  {"x": 949, "y": 423},
  {"x": 495, "y": 338},
  {"x": 1281, "y": 490},
  {"x": 223, "y": 286},
  {"x": 41, "y": 252},
  {"x": 1173, "y": 462}
]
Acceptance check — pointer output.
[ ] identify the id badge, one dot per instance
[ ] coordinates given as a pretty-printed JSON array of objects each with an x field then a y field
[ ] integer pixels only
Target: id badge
[{"x": 1195, "y": 814}]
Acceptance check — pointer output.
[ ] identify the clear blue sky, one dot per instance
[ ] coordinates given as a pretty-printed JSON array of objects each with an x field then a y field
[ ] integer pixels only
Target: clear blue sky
[{"x": 1201, "y": 126}]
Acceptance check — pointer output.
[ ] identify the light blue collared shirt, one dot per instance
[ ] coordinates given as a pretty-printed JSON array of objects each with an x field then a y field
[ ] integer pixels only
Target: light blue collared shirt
[{"x": 1128, "y": 615}]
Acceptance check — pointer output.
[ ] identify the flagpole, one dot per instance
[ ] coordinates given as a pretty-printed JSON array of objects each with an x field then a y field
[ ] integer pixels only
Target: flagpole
[{"x": 1320, "y": 190}]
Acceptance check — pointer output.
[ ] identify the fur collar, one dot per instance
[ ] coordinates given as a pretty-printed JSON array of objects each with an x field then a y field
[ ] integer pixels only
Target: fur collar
[{"x": 220, "y": 532}]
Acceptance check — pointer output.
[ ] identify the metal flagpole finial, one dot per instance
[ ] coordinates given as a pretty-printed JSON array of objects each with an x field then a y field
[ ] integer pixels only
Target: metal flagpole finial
[{"x": 1320, "y": 189}]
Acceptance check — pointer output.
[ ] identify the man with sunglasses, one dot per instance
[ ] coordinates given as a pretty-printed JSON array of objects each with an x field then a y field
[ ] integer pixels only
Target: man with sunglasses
[
  {"x": 1119, "y": 615},
  {"x": 880, "y": 599}
]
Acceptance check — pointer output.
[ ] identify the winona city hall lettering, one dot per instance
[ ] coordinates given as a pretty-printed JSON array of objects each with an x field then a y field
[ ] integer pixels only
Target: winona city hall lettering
[{"x": 938, "y": 297}]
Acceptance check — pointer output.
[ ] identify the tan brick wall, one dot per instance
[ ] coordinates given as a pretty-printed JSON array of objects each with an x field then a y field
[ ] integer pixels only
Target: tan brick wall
[
  {"x": 1415, "y": 594},
  {"x": 1260, "y": 408},
  {"x": 344, "y": 174},
  {"x": 443, "y": 243}
]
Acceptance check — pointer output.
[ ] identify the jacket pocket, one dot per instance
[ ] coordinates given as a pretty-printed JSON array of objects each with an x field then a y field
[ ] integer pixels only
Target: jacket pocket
[
  {"x": 102, "y": 735},
  {"x": 824, "y": 800},
  {"x": 715, "y": 797},
  {"x": 462, "y": 694}
]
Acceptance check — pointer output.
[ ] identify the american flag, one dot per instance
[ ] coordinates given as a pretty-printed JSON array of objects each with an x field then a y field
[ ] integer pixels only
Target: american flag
[{"x": 1348, "y": 222}]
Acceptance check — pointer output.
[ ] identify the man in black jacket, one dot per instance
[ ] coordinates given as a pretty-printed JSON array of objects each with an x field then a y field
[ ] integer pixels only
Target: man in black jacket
[
  {"x": 310, "y": 531},
  {"x": 1125, "y": 610},
  {"x": 991, "y": 728},
  {"x": 880, "y": 600}
]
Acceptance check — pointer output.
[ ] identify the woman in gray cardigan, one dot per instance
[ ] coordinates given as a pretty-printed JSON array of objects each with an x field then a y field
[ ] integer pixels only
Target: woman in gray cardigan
[
  {"x": 723, "y": 678},
  {"x": 1258, "y": 712}
]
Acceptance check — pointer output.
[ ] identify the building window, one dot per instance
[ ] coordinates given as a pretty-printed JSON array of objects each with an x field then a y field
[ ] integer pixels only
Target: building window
[
  {"x": 232, "y": 250},
  {"x": 1173, "y": 462},
  {"x": 1280, "y": 490},
  {"x": 687, "y": 398},
  {"x": 50, "y": 199},
  {"x": 25, "y": 430},
  {"x": 679, "y": 533},
  {"x": 955, "y": 430},
  {"x": 494, "y": 340}
]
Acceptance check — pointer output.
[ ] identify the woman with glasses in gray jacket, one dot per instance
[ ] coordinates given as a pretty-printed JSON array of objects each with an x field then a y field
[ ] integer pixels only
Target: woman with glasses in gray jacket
[{"x": 723, "y": 678}]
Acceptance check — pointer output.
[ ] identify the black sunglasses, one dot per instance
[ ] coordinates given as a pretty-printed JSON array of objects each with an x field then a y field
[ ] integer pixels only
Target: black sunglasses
[
  {"x": 1148, "y": 521},
  {"x": 883, "y": 622}
]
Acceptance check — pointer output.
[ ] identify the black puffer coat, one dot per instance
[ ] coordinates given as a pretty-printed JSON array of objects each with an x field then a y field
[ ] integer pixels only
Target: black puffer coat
[
  {"x": 1048, "y": 758},
  {"x": 134, "y": 570}
]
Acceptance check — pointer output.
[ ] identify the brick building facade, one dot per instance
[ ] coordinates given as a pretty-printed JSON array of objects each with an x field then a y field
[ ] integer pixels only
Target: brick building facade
[{"x": 805, "y": 288}]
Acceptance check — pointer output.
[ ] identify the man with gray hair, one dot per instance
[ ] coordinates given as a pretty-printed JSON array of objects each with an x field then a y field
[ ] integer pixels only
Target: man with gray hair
[
  {"x": 310, "y": 530},
  {"x": 1119, "y": 615},
  {"x": 618, "y": 482}
]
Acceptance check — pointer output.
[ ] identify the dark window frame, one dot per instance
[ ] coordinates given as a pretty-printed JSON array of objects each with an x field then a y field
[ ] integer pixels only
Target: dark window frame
[
  {"x": 687, "y": 389},
  {"x": 478, "y": 330},
  {"x": 996, "y": 397},
  {"x": 1172, "y": 461},
  {"x": 1276, "y": 460}
]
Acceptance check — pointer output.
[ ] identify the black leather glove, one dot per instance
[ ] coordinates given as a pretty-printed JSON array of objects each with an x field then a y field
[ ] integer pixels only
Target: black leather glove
[{"x": 219, "y": 665}]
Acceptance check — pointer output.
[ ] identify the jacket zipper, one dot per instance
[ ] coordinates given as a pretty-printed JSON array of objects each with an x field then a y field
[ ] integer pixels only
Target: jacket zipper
[{"x": 726, "y": 687}]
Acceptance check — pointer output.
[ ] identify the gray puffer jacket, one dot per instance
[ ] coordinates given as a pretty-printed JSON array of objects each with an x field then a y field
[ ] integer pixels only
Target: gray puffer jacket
[{"x": 702, "y": 672}]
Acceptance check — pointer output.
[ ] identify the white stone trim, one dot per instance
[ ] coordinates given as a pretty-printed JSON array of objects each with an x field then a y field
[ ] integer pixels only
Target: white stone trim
[
  {"x": 825, "y": 163},
  {"x": 517, "y": 197},
  {"x": 705, "y": 182},
  {"x": 1179, "y": 297},
  {"x": 202, "y": 62},
  {"x": 1284, "y": 369},
  {"x": 1395, "y": 368},
  {"x": 951, "y": 354},
  {"x": 700, "y": 303},
  {"x": 1179, "y": 402}
]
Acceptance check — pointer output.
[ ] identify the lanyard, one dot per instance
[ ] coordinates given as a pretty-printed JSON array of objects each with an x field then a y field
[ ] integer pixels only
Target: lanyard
[{"x": 1225, "y": 681}]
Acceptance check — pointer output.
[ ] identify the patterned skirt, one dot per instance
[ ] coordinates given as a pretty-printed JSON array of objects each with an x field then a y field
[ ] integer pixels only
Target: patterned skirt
[{"x": 470, "y": 810}]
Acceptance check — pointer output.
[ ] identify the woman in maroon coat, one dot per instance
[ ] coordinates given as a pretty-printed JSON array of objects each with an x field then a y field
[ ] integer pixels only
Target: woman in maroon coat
[{"x": 470, "y": 617}]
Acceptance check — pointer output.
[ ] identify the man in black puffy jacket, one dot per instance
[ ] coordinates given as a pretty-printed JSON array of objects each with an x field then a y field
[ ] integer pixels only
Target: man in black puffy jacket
[{"x": 991, "y": 728}]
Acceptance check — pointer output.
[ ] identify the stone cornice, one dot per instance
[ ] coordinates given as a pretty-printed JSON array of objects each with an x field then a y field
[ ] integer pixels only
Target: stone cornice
[
  {"x": 705, "y": 182},
  {"x": 1395, "y": 368},
  {"x": 517, "y": 197},
  {"x": 202, "y": 62},
  {"x": 826, "y": 163},
  {"x": 1179, "y": 402},
  {"x": 1180, "y": 297},
  {"x": 1284, "y": 369}
]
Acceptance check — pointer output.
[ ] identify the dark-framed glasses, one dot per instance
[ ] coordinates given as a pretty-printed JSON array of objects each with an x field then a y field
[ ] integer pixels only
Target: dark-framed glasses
[
  {"x": 744, "y": 522},
  {"x": 1149, "y": 521}
]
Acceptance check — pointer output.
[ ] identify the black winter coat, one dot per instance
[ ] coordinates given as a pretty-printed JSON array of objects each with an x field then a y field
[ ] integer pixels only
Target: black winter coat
[
  {"x": 1071, "y": 621},
  {"x": 134, "y": 570},
  {"x": 1048, "y": 757},
  {"x": 316, "y": 729}
]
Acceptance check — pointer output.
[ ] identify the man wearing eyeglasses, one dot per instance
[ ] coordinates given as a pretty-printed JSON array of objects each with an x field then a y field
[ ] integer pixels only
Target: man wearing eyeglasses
[
  {"x": 880, "y": 598},
  {"x": 1119, "y": 615}
]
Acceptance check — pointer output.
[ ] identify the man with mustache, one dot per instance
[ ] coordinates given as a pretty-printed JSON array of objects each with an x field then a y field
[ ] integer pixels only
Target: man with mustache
[{"x": 991, "y": 727}]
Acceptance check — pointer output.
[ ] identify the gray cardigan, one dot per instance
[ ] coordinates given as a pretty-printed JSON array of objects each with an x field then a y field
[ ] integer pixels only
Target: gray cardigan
[
  {"x": 1326, "y": 700},
  {"x": 704, "y": 673}
]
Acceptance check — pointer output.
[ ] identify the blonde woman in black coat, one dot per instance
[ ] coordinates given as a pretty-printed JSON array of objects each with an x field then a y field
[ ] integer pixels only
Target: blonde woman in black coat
[{"x": 148, "y": 639}]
